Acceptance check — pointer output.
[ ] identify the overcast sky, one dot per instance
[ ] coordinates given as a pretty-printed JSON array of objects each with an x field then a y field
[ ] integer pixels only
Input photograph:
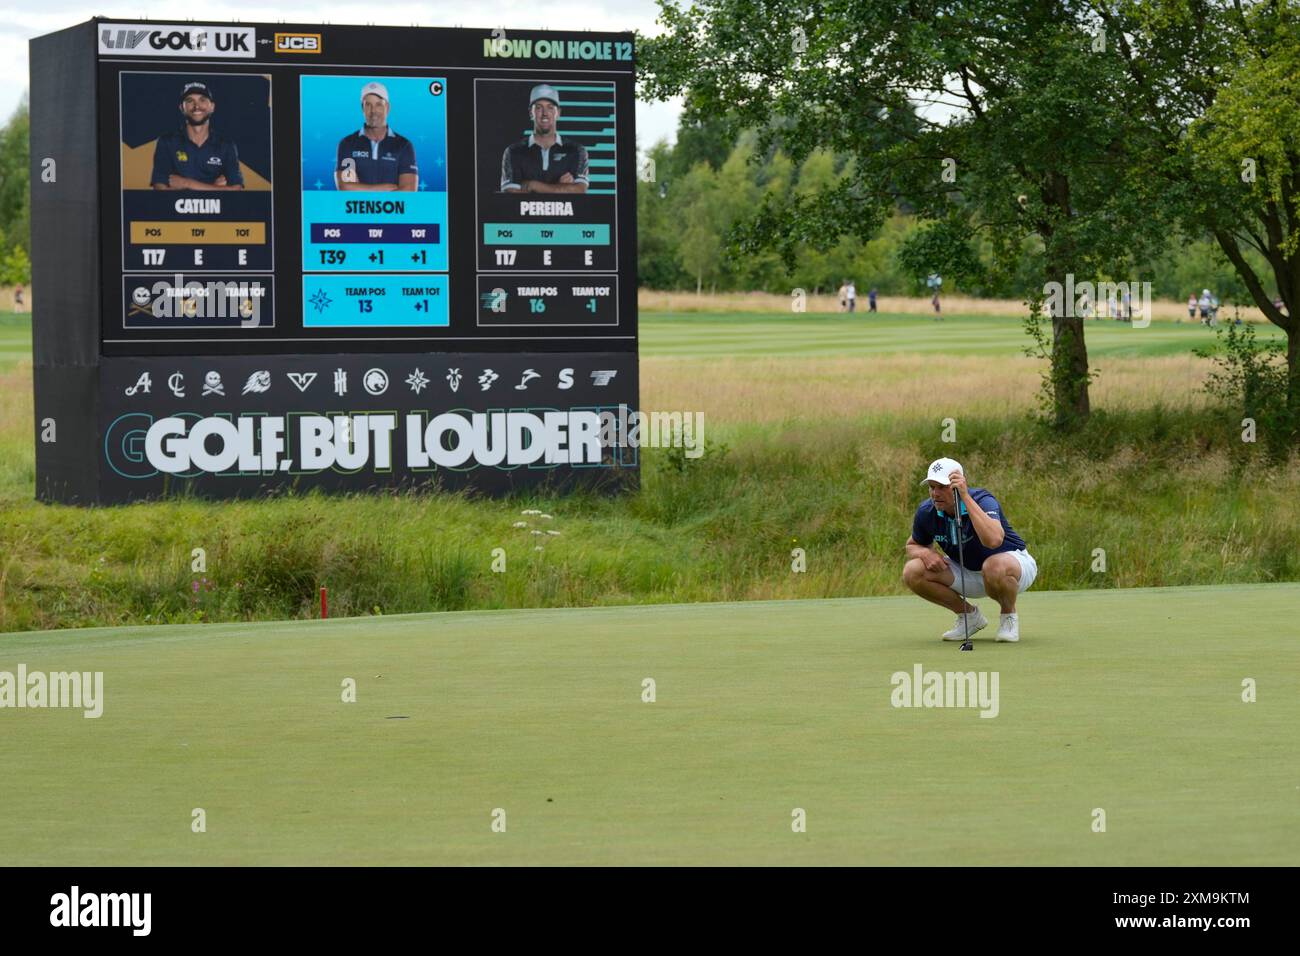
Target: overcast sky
[{"x": 653, "y": 120}]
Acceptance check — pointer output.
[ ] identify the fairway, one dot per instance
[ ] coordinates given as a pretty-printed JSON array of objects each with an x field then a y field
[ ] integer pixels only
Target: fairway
[
  {"x": 1128, "y": 701},
  {"x": 810, "y": 335},
  {"x": 15, "y": 339}
]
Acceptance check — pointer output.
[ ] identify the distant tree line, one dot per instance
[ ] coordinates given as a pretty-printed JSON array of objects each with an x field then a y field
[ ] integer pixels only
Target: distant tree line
[
  {"x": 692, "y": 193},
  {"x": 15, "y": 207}
]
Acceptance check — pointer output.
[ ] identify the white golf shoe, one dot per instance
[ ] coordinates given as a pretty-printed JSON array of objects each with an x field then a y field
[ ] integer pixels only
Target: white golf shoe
[
  {"x": 1009, "y": 629},
  {"x": 975, "y": 621}
]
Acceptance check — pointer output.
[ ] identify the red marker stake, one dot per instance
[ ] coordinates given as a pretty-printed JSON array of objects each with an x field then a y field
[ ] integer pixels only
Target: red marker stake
[{"x": 324, "y": 605}]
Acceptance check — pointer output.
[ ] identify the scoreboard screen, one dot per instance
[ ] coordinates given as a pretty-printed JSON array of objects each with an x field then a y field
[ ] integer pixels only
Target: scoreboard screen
[
  {"x": 175, "y": 224},
  {"x": 278, "y": 219},
  {"x": 374, "y": 258}
]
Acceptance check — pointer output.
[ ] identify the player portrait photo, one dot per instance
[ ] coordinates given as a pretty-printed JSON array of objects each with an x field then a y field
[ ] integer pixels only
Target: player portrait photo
[
  {"x": 542, "y": 162},
  {"x": 196, "y": 131},
  {"x": 555, "y": 137},
  {"x": 196, "y": 197},
  {"x": 195, "y": 156},
  {"x": 376, "y": 157},
  {"x": 372, "y": 134},
  {"x": 546, "y": 182}
]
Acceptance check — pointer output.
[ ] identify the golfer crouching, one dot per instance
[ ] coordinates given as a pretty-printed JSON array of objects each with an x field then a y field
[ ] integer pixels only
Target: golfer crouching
[{"x": 990, "y": 560}]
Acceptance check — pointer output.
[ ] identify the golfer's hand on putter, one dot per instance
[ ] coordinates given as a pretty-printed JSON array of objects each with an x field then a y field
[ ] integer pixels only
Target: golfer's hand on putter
[{"x": 957, "y": 482}]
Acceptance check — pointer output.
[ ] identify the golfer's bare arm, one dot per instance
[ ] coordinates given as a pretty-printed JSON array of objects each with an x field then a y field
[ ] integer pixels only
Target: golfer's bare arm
[
  {"x": 344, "y": 186},
  {"x": 918, "y": 551},
  {"x": 988, "y": 530},
  {"x": 537, "y": 186}
]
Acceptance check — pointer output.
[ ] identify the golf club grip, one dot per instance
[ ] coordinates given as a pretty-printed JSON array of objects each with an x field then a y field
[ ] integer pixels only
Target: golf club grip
[
  {"x": 961, "y": 544},
  {"x": 961, "y": 566}
]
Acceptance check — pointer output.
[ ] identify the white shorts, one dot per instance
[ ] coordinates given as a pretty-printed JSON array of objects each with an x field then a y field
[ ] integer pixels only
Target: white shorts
[{"x": 975, "y": 580}]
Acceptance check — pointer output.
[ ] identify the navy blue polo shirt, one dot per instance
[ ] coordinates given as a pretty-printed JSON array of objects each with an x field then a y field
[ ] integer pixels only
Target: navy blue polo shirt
[
  {"x": 525, "y": 160},
  {"x": 376, "y": 163},
  {"x": 176, "y": 154},
  {"x": 931, "y": 524}
]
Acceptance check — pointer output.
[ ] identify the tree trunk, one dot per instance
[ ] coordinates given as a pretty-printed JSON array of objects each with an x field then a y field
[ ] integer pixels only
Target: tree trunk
[
  {"x": 1070, "y": 402},
  {"x": 1070, "y": 370},
  {"x": 1293, "y": 378},
  {"x": 1071, "y": 405}
]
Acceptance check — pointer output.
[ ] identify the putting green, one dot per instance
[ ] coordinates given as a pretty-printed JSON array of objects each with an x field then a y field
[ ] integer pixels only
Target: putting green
[{"x": 1128, "y": 701}]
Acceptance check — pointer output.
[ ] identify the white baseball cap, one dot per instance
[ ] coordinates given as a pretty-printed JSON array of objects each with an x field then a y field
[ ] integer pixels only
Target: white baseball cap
[
  {"x": 543, "y": 91},
  {"x": 941, "y": 468},
  {"x": 378, "y": 89}
]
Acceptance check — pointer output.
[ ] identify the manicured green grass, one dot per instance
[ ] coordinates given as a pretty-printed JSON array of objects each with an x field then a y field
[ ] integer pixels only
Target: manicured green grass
[
  {"x": 811, "y": 335},
  {"x": 1120, "y": 698},
  {"x": 1128, "y": 701},
  {"x": 15, "y": 338}
]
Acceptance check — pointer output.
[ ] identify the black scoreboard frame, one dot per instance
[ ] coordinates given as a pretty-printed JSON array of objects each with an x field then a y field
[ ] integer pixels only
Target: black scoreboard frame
[{"x": 108, "y": 368}]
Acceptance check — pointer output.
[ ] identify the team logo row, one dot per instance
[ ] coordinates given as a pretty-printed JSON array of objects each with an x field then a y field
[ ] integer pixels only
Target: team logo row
[{"x": 375, "y": 381}]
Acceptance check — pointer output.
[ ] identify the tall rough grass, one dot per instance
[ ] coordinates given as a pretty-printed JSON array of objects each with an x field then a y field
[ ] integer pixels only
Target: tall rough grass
[{"x": 1168, "y": 492}]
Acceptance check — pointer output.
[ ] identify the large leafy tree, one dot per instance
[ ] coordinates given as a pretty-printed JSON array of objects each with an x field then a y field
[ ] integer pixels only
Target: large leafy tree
[
  {"x": 15, "y": 210},
  {"x": 699, "y": 244},
  {"x": 996, "y": 120},
  {"x": 1217, "y": 83}
]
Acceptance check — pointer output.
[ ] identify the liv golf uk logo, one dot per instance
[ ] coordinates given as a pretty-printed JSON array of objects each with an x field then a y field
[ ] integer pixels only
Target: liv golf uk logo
[{"x": 157, "y": 39}]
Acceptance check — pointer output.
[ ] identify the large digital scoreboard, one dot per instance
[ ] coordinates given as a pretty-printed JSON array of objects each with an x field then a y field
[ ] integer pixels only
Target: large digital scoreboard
[{"x": 281, "y": 256}]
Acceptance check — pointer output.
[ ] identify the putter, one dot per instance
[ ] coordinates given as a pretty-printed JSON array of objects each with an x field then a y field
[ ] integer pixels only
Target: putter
[{"x": 966, "y": 645}]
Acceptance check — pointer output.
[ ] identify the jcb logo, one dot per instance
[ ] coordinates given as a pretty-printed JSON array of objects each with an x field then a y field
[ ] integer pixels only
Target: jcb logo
[{"x": 297, "y": 43}]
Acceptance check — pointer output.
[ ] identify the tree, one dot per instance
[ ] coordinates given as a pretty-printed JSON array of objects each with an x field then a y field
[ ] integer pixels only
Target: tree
[
  {"x": 699, "y": 247},
  {"x": 15, "y": 267},
  {"x": 701, "y": 140},
  {"x": 737, "y": 193},
  {"x": 1011, "y": 98},
  {"x": 816, "y": 268},
  {"x": 656, "y": 243},
  {"x": 15, "y": 208},
  {"x": 1218, "y": 84},
  {"x": 762, "y": 269}
]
